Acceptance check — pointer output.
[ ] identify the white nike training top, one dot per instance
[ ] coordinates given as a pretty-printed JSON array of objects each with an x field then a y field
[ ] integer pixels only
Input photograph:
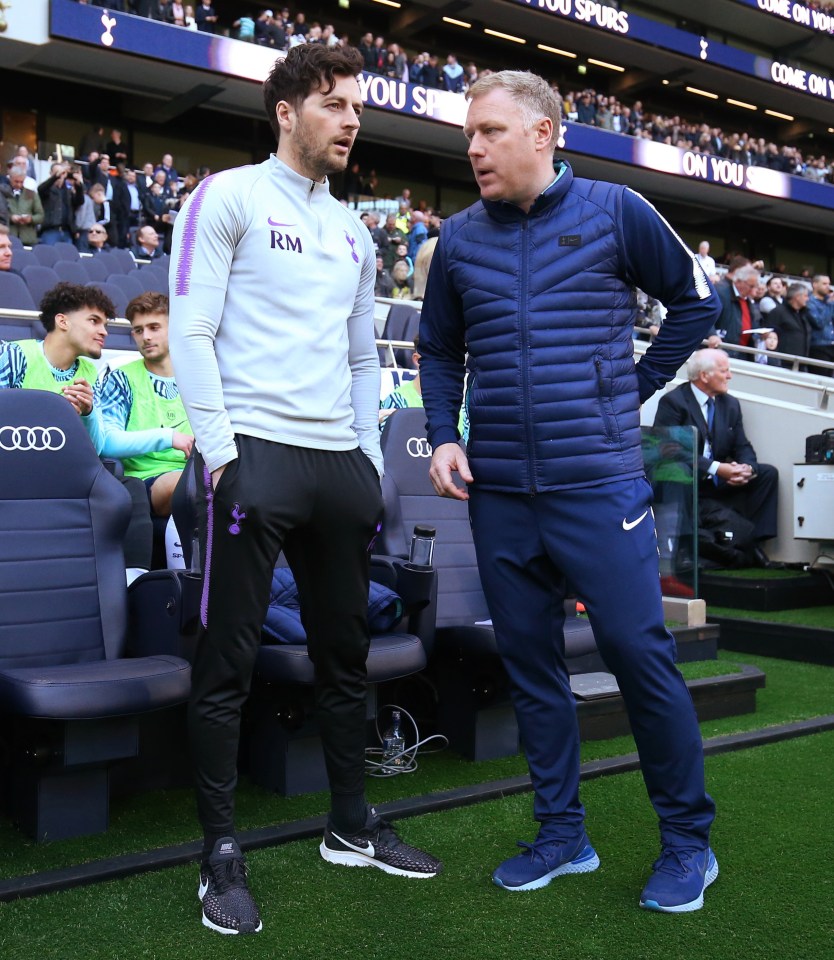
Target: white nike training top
[{"x": 271, "y": 318}]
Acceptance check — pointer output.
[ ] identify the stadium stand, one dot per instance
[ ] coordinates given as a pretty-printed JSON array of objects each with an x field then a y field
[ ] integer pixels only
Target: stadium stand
[
  {"x": 95, "y": 269},
  {"x": 401, "y": 323},
  {"x": 39, "y": 279},
  {"x": 115, "y": 293},
  {"x": 46, "y": 255},
  {"x": 66, "y": 251},
  {"x": 14, "y": 294},
  {"x": 128, "y": 283},
  {"x": 73, "y": 271}
]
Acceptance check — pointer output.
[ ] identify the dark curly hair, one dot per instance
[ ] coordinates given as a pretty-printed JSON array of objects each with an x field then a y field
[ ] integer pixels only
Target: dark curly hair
[
  {"x": 306, "y": 68},
  {"x": 68, "y": 297}
]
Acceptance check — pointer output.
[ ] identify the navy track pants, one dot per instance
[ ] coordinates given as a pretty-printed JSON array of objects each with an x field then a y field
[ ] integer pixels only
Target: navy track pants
[{"x": 601, "y": 540}]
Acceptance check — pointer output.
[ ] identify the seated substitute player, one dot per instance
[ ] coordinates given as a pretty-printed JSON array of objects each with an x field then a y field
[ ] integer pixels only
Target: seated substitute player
[
  {"x": 75, "y": 318},
  {"x": 144, "y": 418}
]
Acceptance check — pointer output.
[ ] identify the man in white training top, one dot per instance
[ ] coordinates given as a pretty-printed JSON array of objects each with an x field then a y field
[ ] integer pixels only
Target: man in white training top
[{"x": 282, "y": 392}]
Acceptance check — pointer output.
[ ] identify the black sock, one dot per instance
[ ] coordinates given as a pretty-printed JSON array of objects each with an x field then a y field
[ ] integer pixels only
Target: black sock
[{"x": 348, "y": 812}]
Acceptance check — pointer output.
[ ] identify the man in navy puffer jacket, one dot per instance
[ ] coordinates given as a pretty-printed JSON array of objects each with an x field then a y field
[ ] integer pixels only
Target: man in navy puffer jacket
[{"x": 534, "y": 288}]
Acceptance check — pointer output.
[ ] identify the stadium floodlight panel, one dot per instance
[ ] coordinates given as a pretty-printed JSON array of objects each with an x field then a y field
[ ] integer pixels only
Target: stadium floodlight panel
[
  {"x": 504, "y": 36},
  {"x": 457, "y": 23},
  {"x": 779, "y": 116},
  {"x": 608, "y": 66},
  {"x": 562, "y": 53},
  {"x": 702, "y": 93},
  {"x": 741, "y": 103},
  {"x": 389, "y": 3}
]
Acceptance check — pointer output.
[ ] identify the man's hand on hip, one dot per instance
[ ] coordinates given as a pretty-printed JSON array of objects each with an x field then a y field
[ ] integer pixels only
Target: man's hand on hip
[{"x": 447, "y": 459}]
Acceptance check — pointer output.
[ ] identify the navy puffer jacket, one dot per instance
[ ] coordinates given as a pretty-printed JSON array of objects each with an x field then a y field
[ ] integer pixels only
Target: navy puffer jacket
[{"x": 544, "y": 304}]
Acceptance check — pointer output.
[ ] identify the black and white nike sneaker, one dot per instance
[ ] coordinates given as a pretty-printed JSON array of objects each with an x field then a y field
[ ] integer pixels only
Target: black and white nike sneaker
[
  {"x": 228, "y": 906},
  {"x": 377, "y": 845}
]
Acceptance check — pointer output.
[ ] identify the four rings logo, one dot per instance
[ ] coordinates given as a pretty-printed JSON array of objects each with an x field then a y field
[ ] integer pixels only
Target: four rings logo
[
  {"x": 418, "y": 447},
  {"x": 32, "y": 438}
]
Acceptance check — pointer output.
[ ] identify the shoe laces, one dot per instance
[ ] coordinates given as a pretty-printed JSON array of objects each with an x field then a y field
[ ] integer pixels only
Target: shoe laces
[
  {"x": 675, "y": 861},
  {"x": 385, "y": 834},
  {"x": 228, "y": 874},
  {"x": 539, "y": 848}
]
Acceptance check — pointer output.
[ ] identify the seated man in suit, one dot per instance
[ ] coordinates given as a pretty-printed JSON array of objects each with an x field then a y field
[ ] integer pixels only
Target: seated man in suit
[
  {"x": 147, "y": 246},
  {"x": 728, "y": 469}
]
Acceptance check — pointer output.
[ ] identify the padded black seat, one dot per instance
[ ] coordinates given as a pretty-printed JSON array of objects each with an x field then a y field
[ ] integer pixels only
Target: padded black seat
[
  {"x": 64, "y": 632},
  {"x": 402, "y": 323},
  {"x": 103, "y": 688},
  {"x": 464, "y": 640},
  {"x": 286, "y": 756},
  {"x": 392, "y": 655},
  {"x": 39, "y": 280},
  {"x": 116, "y": 294},
  {"x": 14, "y": 294}
]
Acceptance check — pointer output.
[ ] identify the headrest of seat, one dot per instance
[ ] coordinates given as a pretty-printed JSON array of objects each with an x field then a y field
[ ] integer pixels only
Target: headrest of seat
[
  {"x": 45, "y": 450},
  {"x": 406, "y": 451}
]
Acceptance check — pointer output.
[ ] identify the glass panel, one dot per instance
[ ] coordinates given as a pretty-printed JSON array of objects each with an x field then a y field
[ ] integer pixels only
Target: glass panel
[{"x": 671, "y": 458}]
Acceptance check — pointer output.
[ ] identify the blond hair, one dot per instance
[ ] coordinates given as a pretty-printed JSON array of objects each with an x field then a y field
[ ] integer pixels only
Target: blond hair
[{"x": 533, "y": 95}]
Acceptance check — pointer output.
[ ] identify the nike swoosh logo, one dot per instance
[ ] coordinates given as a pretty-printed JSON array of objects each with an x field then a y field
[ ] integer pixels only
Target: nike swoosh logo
[
  {"x": 629, "y": 526},
  {"x": 368, "y": 850},
  {"x": 202, "y": 890},
  {"x": 275, "y": 223}
]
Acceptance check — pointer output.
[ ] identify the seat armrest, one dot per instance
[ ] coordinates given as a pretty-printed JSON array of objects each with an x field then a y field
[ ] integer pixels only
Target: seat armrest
[
  {"x": 116, "y": 467},
  {"x": 416, "y": 587},
  {"x": 164, "y": 614}
]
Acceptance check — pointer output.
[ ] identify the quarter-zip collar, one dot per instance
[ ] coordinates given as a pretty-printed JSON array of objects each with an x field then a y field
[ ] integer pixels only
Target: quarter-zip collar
[
  {"x": 506, "y": 212},
  {"x": 310, "y": 189}
]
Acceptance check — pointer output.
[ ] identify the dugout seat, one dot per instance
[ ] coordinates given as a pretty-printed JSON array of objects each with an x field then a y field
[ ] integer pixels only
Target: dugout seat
[
  {"x": 39, "y": 280},
  {"x": 14, "y": 294},
  {"x": 402, "y": 323},
  {"x": 281, "y": 743},
  {"x": 473, "y": 701},
  {"x": 82, "y": 658}
]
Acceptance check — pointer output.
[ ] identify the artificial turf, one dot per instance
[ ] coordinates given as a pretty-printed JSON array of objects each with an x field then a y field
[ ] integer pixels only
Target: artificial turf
[
  {"x": 794, "y": 691},
  {"x": 773, "y": 900},
  {"x": 822, "y": 617}
]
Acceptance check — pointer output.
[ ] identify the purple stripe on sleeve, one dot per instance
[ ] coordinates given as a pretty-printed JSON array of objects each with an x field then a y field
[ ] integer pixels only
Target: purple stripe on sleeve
[{"x": 188, "y": 240}]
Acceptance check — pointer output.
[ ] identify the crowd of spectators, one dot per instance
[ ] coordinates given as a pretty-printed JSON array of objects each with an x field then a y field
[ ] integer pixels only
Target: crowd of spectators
[
  {"x": 99, "y": 202},
  {"x": 282, "y": 30}
]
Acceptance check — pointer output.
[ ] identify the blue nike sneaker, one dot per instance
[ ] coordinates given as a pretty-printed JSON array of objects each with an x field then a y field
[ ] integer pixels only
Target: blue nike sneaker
[
  {"x": 541, "y": 861},
  {"x": 679, "y": 878}
]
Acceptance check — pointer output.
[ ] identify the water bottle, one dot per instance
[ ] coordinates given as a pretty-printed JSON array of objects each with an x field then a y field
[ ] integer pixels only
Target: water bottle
[
  {"x": 422, "y": 546},
  {"x": 393, "y": 742}
]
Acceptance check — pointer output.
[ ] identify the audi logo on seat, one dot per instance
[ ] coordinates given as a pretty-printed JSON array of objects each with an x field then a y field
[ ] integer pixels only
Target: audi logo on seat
[
  {"x": 32, "y": 438},
  {"x": 418, "y": 447}
]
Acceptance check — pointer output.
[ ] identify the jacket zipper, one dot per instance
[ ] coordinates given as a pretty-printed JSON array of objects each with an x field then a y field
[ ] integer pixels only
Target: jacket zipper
[
  {"x": 312, "y": 210},
  {"x": 525, "y": 355}
]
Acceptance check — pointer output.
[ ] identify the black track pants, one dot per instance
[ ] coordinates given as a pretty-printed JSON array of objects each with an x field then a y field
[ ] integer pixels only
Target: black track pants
[{"x": 322, "y": 508}]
